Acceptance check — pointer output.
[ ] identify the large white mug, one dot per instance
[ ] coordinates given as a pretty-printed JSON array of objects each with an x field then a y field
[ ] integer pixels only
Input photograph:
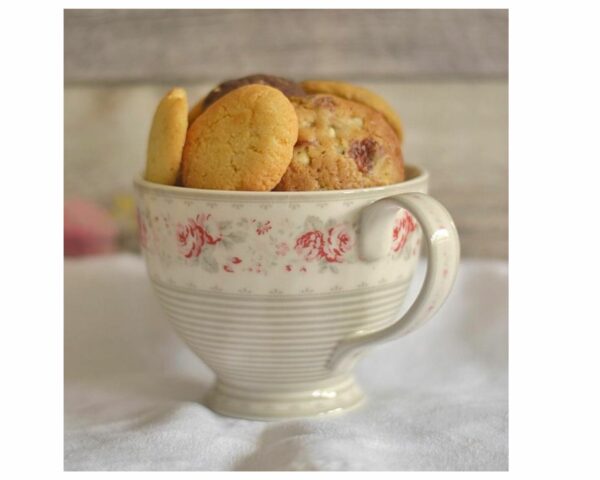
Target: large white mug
[{"x": 280, "y": 292}]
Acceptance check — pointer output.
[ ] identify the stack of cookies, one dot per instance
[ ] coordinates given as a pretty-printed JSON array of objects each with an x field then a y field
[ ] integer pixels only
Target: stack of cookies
[{"x": 262, "y": 133}]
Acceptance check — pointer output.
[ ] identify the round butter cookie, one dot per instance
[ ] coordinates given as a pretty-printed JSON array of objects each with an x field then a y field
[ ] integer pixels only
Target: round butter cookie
[
  {"x": 167, "y": 137},
  {"x": 341, "y": 145},
  {"x": 244, "y": 141}
]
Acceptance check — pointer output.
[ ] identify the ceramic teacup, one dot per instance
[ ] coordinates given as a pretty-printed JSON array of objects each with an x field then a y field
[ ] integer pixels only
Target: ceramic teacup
[{"x": 280, "y": 292}]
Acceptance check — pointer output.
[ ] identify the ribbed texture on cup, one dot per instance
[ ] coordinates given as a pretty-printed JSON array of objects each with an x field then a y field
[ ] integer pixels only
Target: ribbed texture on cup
[{"x": 277, "y": 339}]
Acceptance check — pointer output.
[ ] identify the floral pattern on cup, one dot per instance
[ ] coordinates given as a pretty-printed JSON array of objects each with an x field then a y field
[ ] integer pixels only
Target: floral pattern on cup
[
  {"x": 326, "y": 244},
  {"x": 263, "y": 227},
  {"x": 197, "y": 233},
  {"x": 329, "y": 245},
  {"x": 403, "y": 227},
  {"x": 200, "y": 236},
  {"x": 310, "y": 245},
  {"x": 319, "y": 246}
]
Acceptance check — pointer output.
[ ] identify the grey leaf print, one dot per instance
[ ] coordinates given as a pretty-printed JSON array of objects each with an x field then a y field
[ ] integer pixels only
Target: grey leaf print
[
  {"x": 237, "y": 237},
  {"x": 314, "y": 223},
  {"x": 208, "y": 262}
]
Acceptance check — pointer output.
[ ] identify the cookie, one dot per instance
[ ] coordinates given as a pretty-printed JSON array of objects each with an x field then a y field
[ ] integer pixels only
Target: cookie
[
  {"x": 167, "y": 137},
  {"x": 341, "y": 144},
  {"x": 244, "y": 141},
  {"x": 359, "y": 95},
  {"x": 288, "y": 87}
]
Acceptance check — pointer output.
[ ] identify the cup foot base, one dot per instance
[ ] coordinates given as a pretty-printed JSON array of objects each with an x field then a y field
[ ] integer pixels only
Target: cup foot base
[{"x": 307, "y": 401}]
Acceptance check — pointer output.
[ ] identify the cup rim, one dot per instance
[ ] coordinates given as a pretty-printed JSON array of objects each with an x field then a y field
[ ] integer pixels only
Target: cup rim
[{"x": 418, "y": 175}]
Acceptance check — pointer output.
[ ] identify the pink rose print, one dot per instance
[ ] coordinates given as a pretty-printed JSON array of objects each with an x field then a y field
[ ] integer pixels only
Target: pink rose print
[
  {"x": 190, "y": 240},
  {"x": 403, "y": 227},
  {"x": 310, "y": 245},
  {"x": 339, "y": 241},
  {"x": 229, "y": 267},
  {"x": 330, "y": 247},
  {"x": 263, "y": 228},
  {"x": 282, "y": 249},
  {"x": 198, "y": 232},
  {"x": 210, "y": 228}
]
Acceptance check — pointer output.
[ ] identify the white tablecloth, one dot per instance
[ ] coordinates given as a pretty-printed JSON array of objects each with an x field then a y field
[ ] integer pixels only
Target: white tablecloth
[{"x": 438, "y": 398}]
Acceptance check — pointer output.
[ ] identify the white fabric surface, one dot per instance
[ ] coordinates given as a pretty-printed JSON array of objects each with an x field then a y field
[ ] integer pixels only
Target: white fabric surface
[{"x": 438, "y": 398}]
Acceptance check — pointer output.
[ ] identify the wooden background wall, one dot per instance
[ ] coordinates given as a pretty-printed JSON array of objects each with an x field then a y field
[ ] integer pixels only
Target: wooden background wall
[
  {"x": 445, "y": 71},
  {"x": 197, "y": 45}
]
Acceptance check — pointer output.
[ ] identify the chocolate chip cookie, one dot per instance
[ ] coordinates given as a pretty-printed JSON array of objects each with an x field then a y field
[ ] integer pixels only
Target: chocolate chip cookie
[
  {"x": 341, "y": 144},
  {"x": 356, "y": 94}
]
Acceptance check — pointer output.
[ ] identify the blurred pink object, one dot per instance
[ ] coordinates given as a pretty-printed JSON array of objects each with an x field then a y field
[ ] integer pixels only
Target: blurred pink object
[{"x": 89, "y": 228}]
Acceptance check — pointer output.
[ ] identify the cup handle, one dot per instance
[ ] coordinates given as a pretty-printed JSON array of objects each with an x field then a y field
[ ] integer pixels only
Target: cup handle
[{"x": 443, "y": 254}]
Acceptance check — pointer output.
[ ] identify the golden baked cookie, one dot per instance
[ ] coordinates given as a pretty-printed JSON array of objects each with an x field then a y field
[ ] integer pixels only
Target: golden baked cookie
[
  {"x": 167, "y": 137},
  {"x": 341, "y": 144},
  {"x": 356, "y": 94},
  {"x": 244, "y": 141}
]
